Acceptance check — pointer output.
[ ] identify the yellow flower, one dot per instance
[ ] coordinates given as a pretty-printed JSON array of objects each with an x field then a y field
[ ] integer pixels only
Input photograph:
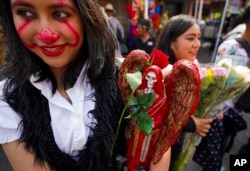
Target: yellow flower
[{"x": 209, "y": 73}]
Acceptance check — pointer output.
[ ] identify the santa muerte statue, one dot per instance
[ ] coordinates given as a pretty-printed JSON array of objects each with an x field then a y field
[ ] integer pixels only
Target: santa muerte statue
[{"x": 159, "y": 100}]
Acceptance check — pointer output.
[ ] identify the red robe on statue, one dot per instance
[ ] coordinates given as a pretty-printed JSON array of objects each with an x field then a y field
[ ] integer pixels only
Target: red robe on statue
[{"x": 140, "y": 146}]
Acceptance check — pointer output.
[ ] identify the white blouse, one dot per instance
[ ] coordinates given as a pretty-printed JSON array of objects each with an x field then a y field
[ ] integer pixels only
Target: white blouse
[{"x": 70, "y": 122}]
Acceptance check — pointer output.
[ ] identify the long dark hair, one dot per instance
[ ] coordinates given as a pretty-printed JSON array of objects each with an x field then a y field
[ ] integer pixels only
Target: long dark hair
[
  {"x": 98, "y": 48},
  {"x": 175, "y": 27},
  {"x": 242, "y": 18},
  {"x": 246, "y": 15}
]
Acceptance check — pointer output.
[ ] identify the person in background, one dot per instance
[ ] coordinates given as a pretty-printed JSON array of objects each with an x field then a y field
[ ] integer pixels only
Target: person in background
[
  {"x": 118, "y": 53},
  {"x": 180, "y": 39},
  {"x": 230, "y": 48},
  {"x": 59, "y": 100},
  {"x": 144, "y": 40},
  {"x": 116, "y": 25},
  {"x": 209, "y": 155},
  {"x": 164, "y": 18},
  {"x": 236, "y": 47}
]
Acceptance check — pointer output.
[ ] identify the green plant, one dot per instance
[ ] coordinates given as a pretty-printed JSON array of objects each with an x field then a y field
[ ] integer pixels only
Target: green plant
[{"x": 139, "y": 104}]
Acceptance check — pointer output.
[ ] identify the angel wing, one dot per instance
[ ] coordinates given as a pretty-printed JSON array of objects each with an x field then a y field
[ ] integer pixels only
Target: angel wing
[
  {"x": 136, "y": 60},
  {"x": 182, "y": 88}
]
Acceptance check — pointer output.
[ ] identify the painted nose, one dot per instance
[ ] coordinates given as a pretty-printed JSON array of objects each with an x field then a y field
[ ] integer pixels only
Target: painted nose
[{"x": 47, "y": 36}]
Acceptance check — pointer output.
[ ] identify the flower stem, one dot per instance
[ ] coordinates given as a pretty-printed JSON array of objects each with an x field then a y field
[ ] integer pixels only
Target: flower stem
[{"x": 117, "y": 131}]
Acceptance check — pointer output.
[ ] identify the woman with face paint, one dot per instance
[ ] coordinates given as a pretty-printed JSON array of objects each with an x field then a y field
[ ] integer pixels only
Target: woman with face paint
[
  {"x": 180, "y": 39},
  {"x": 59, "y": 100}
]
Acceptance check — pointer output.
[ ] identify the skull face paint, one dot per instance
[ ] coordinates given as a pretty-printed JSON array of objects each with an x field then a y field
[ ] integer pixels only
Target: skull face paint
[{"x": 51, "y": 29}]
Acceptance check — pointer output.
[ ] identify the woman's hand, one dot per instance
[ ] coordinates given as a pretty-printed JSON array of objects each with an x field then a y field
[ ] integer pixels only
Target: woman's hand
[{"x": 202, "y": 125}]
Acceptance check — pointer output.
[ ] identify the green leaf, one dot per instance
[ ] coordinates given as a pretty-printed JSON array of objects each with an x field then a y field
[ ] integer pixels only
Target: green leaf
[
  {"x": 134, "y": 80},
  {"x": 133, "y": 101},
  {"x": 145, "y": 122},
  {"x": 146, "y": 100}
]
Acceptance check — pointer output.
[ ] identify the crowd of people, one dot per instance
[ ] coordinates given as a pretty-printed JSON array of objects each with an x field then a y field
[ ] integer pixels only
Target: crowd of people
[{"x": 60, "y": 103}]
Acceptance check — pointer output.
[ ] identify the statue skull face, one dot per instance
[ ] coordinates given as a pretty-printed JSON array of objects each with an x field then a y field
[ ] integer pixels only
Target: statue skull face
[{"x": 151, "y": 79}]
